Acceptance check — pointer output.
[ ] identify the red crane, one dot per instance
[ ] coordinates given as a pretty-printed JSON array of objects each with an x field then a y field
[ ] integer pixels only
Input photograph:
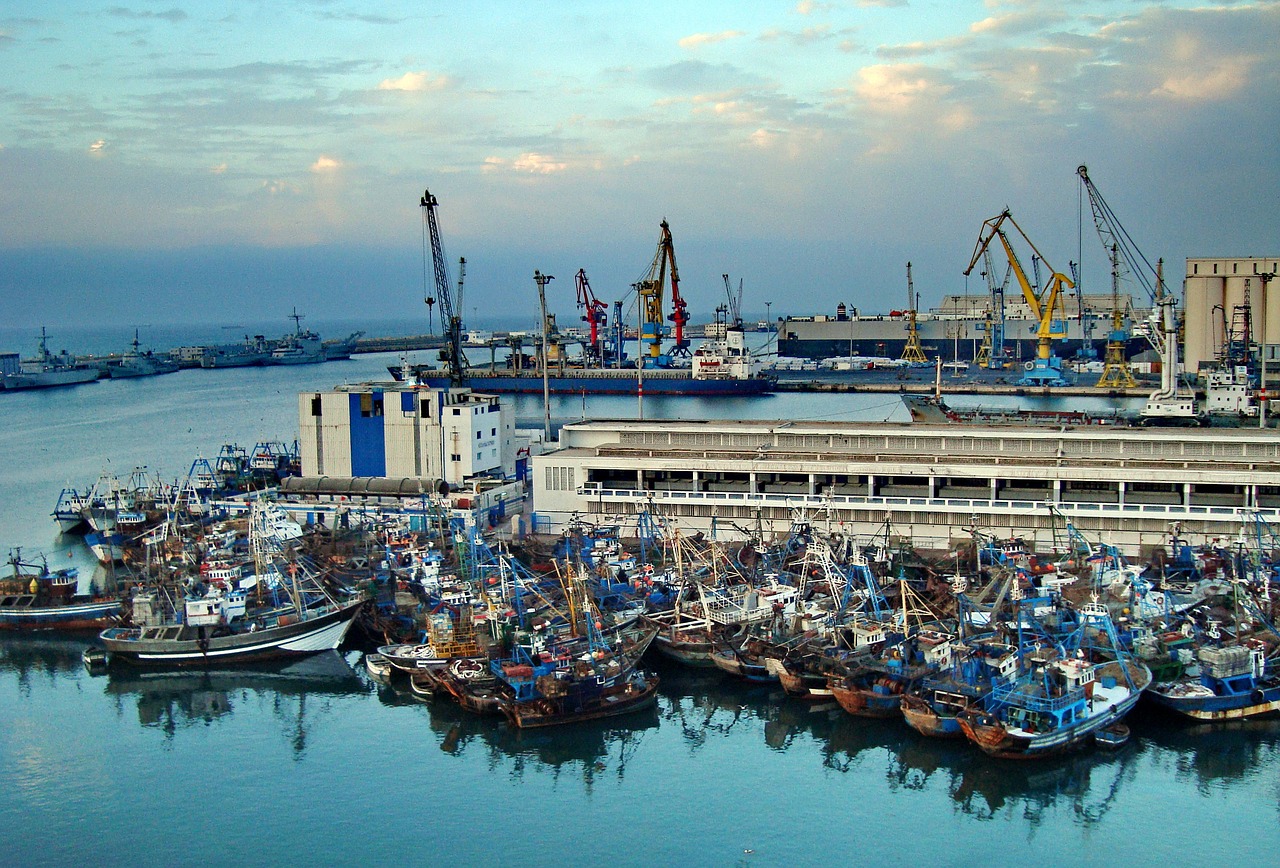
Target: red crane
[
  {"x": 679, "y": 310},
  {"x": 595, "y": 311}
]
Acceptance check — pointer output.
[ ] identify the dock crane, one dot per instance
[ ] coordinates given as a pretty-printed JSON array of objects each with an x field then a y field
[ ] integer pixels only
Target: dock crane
[
  {"x": 912, "y": 351},
  {"x": 1046, "y": 303},
  {"x": 1172, "y": 403},
  {"x": 595, "y": 314},
  {"x": 450, "y": 307},
  {"x": 650, "y": 291},
  {"x": 991, "y": 354}
]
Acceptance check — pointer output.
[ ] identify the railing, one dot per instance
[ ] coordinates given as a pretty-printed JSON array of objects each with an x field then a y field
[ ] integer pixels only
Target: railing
[{"x": 590, "y": 490}]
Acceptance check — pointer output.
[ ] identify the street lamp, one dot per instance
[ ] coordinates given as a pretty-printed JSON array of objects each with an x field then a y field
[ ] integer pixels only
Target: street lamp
[{"x": 768, "y": 315}]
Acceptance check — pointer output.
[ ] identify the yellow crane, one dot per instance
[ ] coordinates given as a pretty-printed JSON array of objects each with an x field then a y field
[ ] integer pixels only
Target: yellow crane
[
  {"x": 1046, "y": 302},
  {"x": 912, "y": 351}
]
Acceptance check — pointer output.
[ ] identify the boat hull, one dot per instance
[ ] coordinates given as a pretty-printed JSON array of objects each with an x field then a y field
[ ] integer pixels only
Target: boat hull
[
  {"x": 1260, "y": 702},
  {"x": 861, "y": 702},
  {"x": 624, "y": 699},
  {"x": 96, "y": 615},
  {"x": 604, "y": 381},
  {"x": 153, "y": 647},
  {"x": 925, "y": 719}
]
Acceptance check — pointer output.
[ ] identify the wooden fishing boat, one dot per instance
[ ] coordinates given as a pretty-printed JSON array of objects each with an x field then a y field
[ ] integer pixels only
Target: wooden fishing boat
[
  {"x": 639, "y": 691},
  {"x": 1055, "y": 708},
  {"x": 34, "y": 597}
]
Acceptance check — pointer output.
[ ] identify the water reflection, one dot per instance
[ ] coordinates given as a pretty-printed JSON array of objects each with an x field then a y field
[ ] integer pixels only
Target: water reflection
[
  {"x": 173, "y": 700},
  {"x": 44, "y": 657},
  {"x": 698, "y": 714},
  {"x": 590, "y": 750}
]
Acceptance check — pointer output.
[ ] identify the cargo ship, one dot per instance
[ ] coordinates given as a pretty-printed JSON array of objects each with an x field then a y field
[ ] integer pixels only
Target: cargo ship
[
  {"x": 718, "y": 368},
  {"x": 956, "y": 331}
]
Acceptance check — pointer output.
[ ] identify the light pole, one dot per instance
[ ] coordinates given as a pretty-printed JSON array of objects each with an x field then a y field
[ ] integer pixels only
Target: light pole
[
  {"x": 542, "y": 280},
  {"x": 768, "y": 317}
]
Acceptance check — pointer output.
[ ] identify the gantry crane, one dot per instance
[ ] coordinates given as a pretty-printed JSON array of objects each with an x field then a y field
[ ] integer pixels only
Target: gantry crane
[
  {"x": 650, "y": 290},
  {"x": 595, "y": 313},
  {"x": 912, "y": 351},
  {"x": 450, "y": 307},
  {"x": 1046, "y": 303}
]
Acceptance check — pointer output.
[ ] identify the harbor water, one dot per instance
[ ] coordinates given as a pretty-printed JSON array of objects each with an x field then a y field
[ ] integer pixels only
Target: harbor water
[{"x": 315, "y": 763}]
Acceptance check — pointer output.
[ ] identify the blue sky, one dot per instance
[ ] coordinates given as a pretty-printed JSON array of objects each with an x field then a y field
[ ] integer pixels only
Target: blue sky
[{"x": 193, "y": 162}]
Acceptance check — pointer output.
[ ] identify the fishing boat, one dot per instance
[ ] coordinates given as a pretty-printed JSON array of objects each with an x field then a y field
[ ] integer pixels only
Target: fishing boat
[
  {"x": 635, "y": 692},
  {"x": 1235, "y": 682},
  {"x": 284, "y": 609},
  {"x": 34, "y": 597},
  {"x": 71, "y": 510}
]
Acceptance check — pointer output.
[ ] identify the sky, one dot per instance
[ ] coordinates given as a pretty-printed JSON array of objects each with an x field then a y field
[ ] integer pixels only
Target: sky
[{"x": 194, "y": 162}]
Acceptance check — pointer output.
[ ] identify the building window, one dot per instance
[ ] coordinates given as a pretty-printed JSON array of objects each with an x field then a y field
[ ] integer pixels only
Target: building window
[
  {"x": 457, "y": 412},
  {"x": 493, "y": 432},
  {"x": 455, "y": 457},
  {"x": 316, "y": 405},
  {"x": 479, "y": 434}
]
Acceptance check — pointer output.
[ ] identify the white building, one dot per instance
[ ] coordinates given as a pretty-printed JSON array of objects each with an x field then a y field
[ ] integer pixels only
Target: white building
[
  {"x": 1127, "y": 486},
  {"x": 400, "y": 431}
]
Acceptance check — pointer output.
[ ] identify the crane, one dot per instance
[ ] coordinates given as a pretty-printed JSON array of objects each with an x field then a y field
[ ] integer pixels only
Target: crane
[
  {"x": 450, "y": 307},
  {"x": 734, "y": 301},
  {"x": 595, "y": 313},
  {"x": 912, "y": 351},
  {"x": 1045, "y": 302},
  {"x": 1171, "y": 403},
  {"x": 650, "y": 290}
]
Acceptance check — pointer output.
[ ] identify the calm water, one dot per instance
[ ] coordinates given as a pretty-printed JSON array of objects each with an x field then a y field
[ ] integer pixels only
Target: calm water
[{"x": 314, "y": 763}]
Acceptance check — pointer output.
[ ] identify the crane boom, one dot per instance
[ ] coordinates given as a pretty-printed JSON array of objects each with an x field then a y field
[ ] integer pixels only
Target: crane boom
[
  {"x": 650, "y": 290},
  {"x": 595, "y": 312},
  {"x": 1046, "y": 303},
  {"x": 450, "y": 308}
]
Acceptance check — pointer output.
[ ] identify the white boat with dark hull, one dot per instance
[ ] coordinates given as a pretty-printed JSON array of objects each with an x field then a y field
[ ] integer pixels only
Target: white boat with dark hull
[
  {"x": 284, "y": 609},
  {"x": 282, "y": 635}
]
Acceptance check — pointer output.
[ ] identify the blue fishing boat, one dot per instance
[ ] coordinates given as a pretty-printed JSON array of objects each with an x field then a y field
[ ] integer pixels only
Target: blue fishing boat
[
  {"x": 1235, "y": 682},
  {"x": 1068, "y": 691}
]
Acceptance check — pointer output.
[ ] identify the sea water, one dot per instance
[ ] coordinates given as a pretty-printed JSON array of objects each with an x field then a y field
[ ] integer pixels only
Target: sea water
[{"x": 314, "y": 763}]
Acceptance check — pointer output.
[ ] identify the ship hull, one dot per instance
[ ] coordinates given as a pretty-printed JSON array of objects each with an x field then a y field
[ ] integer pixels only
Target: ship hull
[
  {"x": 1260, "y": 702},
  {"x": 15, "y": 615},
  {"x": 150, "y": 648},
  {"x": 50, "y": 379},
  {"x": 603, "y": 381}
]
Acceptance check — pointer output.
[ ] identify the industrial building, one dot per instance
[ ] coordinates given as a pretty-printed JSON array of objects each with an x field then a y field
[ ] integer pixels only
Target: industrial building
[
  {"x": 397, "y": 430},
  {"x": 1229, "y": 300}
]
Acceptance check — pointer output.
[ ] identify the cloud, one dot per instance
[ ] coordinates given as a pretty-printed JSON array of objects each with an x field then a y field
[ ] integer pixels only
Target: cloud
[
  {"x": 219, "y": 169},
  {"x": 171, "y": 15},
  {"x": 894, "y": 87},
  {"x": 275, "y": 187},
  {"x": 415, "y": 81},
  {"x": 326, "y": 164},
  {"x": 98, "y": 146},
  {"x": 1017, "y": 22},
  {"x": 697, "y": 40},
  {"x": 528, "y": 163},
  {"x": 808, "y": 36},
  {"x": 808, "y": 7}
]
